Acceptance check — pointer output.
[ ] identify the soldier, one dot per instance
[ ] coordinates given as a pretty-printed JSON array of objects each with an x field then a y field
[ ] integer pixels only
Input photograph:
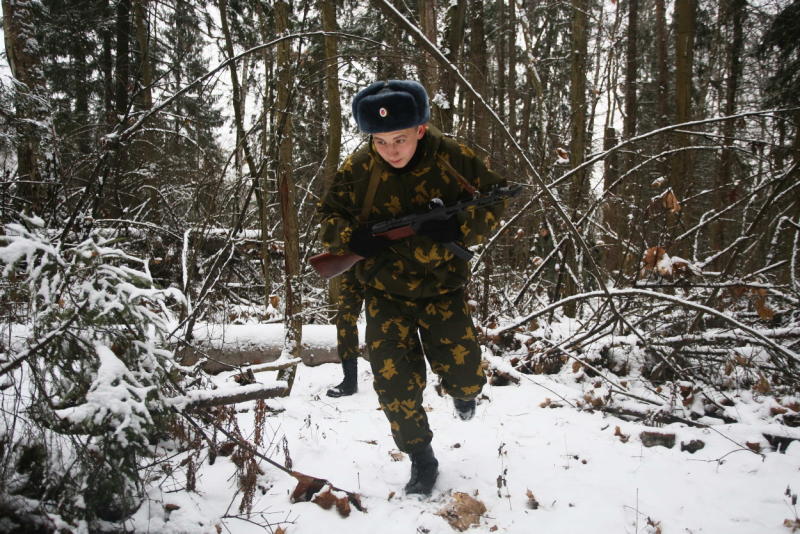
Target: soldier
[
  {"x": 351, "y": 298},
  {"x": 414, "y": 287}
]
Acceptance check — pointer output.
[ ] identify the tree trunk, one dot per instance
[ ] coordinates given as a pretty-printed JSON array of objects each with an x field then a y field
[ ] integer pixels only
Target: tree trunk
[
  {"x": 291, "y": 239},
  {"x": 454, "y": 41},
  {"x": 328, "y": 11},
  {"x": 143, "y": 43},
  {"x": 631, "y": 68},
  {"x": 725, "y": 190},
  {"x": 22, "y": 51},
  {"x": 579, "y": 188},
  {"x": 428, "y": 75},
  {"x": 512, "y": 67},
  {"x": 122, "y": 72},
  {"x": 477, "y": 77},
  {"x": 681, "y": 176},
  {"x": 663, "y": 70}
]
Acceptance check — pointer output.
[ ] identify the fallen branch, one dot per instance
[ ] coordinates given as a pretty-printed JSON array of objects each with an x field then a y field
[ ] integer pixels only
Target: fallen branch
[
  {"x": 209, "y": 398},
  {"x": 307, "y": 486}
]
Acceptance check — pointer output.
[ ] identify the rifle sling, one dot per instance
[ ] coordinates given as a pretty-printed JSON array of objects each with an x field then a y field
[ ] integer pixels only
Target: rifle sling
[{"x": 372, "y": 187}]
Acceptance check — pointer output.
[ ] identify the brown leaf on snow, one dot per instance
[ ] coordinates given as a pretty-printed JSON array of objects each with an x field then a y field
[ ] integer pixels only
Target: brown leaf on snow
[
  {"x": 280, "y": 531},
  {"x": 306, "y": 488},
  {"x": 764, "y": 311},
  {"x": 396, "y": 456},
  {"x": 463, "y": 511},
  {"x": 622, "y": 437},
  {"x": 753, "y": 446},
  {"x": 327, "y": 499},
  {"x": 793, "y": 524},
  {"x": 533, "y": 504},
  {"x": 651, "y": 257}
]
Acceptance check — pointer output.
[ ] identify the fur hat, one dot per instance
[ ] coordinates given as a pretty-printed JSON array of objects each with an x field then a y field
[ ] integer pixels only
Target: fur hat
[{"x": 391, "y": 105}]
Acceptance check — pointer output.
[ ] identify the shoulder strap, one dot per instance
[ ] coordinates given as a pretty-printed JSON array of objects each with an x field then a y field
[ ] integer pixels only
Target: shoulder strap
[
  {"x": 465, "y": 185},
  {"x": 372, "y": 187}
]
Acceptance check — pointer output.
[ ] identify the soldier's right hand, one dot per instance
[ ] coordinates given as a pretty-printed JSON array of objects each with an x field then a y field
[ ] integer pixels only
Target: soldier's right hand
[{"x": 366, "y": 245}]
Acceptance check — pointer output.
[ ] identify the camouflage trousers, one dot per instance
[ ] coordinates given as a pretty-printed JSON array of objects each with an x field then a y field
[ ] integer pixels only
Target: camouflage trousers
[
  {"x": 395, "y": 326},
  {"x": 351, "y": 298}
]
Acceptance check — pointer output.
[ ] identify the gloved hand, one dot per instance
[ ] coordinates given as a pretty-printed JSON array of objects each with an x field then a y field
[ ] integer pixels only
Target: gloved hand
[
  {"x": 366, "y": 245},
  {"x": 445, "y": 231}
]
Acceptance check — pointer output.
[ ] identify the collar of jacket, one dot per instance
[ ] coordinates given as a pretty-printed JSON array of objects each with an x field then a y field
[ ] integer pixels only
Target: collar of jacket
[{"x": 433, "y": 138}]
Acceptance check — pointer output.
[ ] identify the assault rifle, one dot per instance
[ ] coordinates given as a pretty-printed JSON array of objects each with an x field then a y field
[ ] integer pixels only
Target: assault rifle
[{"x": 329, "y": 265}]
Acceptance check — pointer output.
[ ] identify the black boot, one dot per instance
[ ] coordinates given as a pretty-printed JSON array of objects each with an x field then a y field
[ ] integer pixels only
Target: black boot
[
  {"x": 349, "y": 385},
  {"x": 424, "y": 470},
  {"x": 464, "y": 408}
]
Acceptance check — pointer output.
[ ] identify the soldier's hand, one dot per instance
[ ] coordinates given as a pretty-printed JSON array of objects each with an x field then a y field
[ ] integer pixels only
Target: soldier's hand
[
  {"x": 442, "y": 231},
  {"x": 366, "y": 245}
]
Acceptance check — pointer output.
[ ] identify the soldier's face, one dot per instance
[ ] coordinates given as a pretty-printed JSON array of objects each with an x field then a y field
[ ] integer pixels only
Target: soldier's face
[{"x": 398, "y": 147}]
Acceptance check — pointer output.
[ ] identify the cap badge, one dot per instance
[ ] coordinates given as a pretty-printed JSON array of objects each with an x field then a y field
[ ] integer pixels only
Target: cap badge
[{"x": 383, "y": 112}]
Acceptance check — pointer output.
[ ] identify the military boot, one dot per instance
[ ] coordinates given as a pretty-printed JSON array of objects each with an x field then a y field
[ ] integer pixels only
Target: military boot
[
  {"x": 349, "y": 385},
  {"x": 424, "y": 470},
  {"x": 464, "y": 408}
]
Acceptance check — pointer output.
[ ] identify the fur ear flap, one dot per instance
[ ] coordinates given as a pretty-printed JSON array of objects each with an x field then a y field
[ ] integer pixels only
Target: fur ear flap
[{"x": 391, "y": 105}]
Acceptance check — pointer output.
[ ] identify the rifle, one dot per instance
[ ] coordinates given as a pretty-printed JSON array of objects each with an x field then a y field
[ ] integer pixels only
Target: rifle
[{"x": 329, "y": 265}]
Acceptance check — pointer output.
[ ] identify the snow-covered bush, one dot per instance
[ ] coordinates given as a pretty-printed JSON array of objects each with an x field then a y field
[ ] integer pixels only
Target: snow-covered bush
[{"x": 91, "y": 376}]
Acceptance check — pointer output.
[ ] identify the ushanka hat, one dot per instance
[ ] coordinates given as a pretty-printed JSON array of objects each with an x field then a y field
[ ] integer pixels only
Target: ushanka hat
[{"x": 391, "y": 105}]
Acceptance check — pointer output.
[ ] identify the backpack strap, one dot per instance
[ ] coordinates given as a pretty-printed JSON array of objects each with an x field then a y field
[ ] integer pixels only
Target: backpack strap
[
  {"x": 372, "y": 187},
  {"x": 463, "y": 182}
]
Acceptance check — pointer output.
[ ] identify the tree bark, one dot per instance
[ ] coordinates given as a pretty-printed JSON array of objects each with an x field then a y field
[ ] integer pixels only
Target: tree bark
[
  {"x": 477, "y": 74},
  {"x": 579, "y": 186},
  {"x": 427, "y": 65},
  {"x": 328, "y": 11},
  {"x": 725, "y": 190},
  {"x": 22, "y": 51},
  {"x": 122, "y": 71},
  {"x": 143, "y": 44},
  {"x": 291, "y": 239},
  {"x": 453, "y": 43},
  {"x": 685, "y": 13}
]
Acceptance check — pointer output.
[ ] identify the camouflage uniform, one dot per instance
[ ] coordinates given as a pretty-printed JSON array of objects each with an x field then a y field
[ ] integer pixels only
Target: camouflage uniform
[
  {"x": 351, "y": 298},
  {"x": 416, "y": 286}
]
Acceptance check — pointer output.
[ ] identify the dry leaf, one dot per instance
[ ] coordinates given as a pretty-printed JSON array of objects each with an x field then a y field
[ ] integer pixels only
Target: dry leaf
[
  {"x": 762, "y": 386},
  {"x": 622, "y": 437},
  {"x": 325, "y": 499},
  {"x": 764, "y": 311},
  {"x": 280, "y": 531},
  {"x": 397, "y": 456},
  {"x": 670, "y": 202},
  {"x": 463, "y": 511},
  {"x": 169, "y": 507},
  {"x": 533, "y": 504},
  {"x": 306, "y": 488},
  {"x": 753, "y": 446},
  {"x": 793, "y": 524},
  {"x": 562, "y": 153}
]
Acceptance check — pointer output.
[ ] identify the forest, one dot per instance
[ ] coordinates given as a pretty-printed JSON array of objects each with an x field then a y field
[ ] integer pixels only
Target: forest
[{"x": 162, "y": 164}]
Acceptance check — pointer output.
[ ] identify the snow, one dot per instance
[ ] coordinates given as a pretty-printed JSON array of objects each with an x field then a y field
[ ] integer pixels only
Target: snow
[{"x": 584, "y": 477}]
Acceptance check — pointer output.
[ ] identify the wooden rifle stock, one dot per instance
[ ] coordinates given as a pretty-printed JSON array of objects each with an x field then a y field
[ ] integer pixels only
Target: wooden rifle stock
[{"x": 329, "y": 265}]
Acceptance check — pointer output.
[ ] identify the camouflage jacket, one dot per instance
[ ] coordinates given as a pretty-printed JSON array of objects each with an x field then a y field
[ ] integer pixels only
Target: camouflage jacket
[{"x": 415, "y": 267}]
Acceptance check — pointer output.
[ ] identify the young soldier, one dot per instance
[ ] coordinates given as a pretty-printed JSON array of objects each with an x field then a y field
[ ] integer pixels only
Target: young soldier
[{"x": 415, "y": 286}]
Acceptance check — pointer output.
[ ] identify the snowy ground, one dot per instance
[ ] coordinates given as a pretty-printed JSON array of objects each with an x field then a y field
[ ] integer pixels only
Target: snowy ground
[{"x": 584, "y": 477}]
